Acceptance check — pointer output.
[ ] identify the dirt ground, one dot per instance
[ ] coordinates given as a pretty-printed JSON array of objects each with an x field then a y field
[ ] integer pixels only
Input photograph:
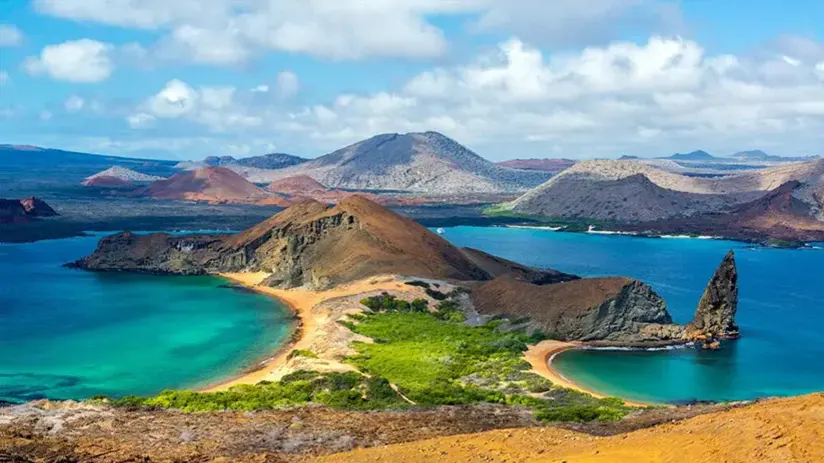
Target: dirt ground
[
  {"x": 774, "y": 431},
  {"x": 72, "y": 432}
]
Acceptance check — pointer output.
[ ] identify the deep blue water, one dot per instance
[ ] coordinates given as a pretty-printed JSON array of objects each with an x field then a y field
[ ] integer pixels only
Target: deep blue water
[
  {"x": 72, "y": 334},
  {"x": 781, "y": 312}
]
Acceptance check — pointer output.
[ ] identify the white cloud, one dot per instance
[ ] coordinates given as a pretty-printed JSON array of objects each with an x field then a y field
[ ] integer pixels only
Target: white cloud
[
  {"x": 287, "y": 85},
  {"x": 141, "y": 120},
  {"x": 261, "y": 89},
  {"x": 664, "y": 95},
  {"x": 4, "y": 78},
  {"x": 81, "y": 61},
  {"x": 74, "y": 104},
  {"x": 10, "y": 36},
  {"x": 176, "y": 99}
]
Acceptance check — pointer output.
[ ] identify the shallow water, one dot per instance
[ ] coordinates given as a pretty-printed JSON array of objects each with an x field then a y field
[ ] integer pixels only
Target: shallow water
[
  {"x": 72, "y": 334},
  {"x": 781, "y": 312}
]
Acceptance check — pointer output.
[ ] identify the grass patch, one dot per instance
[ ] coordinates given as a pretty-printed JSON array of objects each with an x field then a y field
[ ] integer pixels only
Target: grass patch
[
  {"x": 569, "y": 224},
  {"x": 350, "y": 391},
  {"x": 302, "y": 353},
  {"x": 435, "y": 359}
]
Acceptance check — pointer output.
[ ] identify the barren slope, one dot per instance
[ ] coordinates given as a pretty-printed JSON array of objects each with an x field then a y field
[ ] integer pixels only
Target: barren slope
[
  {"x": 207, "y": 184},
  {"x": 428, "y": 163},
  {"x": 774, "y": 431}
]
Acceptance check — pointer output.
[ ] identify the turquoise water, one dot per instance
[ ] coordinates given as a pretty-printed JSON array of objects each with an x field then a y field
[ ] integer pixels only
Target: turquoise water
[
  {"x": 72, "y": 334},
  {"x": 781, "y": 313}
]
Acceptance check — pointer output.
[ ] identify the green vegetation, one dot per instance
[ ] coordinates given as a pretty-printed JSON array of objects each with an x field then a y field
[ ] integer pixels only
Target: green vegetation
[
  {"x": 435, "y": 359},
  {"x": 351, "y": 391},
  {"x": 419, "y": 283},
  {"x": 388, "y": 303},
  {"x": 302, "y": 353}
]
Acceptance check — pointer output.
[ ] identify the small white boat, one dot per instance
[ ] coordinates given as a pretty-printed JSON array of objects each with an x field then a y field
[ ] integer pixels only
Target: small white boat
[{"x": 441, "y": 231}]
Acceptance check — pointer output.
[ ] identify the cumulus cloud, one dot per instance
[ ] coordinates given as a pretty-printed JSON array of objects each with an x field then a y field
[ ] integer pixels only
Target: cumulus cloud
[
  {"x": 10, "y": 36},
  {"x": 81, "y": 61},
  {"x": 214, "y": 107},
  {"x": 226, "y": 32},
  {"x": 652, "y": 98}
]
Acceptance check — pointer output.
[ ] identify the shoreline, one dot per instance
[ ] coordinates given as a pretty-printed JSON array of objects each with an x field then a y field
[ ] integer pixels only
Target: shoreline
[
  {"x": 540, "y": 356},
  {"x": 314, "y": 322}
]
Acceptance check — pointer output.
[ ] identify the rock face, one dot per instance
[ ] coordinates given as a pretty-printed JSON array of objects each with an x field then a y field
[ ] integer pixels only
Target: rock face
[
  {"x": 616, "y": 310},
  {"x": 715, "y": 317},
  {"x": 429, "y": 163},
  {"x": 24, "y": 210}
]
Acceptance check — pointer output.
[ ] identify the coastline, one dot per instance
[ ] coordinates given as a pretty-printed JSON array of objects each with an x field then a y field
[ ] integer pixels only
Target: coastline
[
  {"x": 540, "y": 357},
  {"x": 316, "y": 321}
]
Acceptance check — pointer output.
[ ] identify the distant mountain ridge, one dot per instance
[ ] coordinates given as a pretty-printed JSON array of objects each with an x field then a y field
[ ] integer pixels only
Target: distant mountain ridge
[
  {"x": 428, "y": 162},
  {"x": 698, "y": 155},
  {"x": 264, "y": 161}
]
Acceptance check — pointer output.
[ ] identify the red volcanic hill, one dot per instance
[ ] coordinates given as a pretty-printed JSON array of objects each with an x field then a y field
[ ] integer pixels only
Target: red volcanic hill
[
  {"x": 213, "y": 184},
  {"x": 299, "y": 185}
]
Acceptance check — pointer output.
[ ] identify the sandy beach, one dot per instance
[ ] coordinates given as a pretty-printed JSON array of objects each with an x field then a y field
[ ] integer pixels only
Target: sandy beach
[
  {"x": 318, "y": 325},
  {"x": 539, "y": 355}
]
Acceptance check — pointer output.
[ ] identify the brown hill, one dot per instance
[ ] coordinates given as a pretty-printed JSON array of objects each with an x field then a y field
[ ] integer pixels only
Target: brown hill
[
  {"x": 775, "y": 431},
  {"x": 779, "y": 215},
  {"x": 632, "y": 198},
  {"x": 213, "y": 184},
  {"x": 299, "y": 185}
]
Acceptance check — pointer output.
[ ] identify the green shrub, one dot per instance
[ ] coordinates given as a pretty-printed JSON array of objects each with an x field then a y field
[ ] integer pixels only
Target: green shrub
[
  {"x": 435, "y": 294},
  {"x": 301, "y": 353}
]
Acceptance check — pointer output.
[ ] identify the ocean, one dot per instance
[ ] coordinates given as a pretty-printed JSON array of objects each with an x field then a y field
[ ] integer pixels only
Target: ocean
[
  {"x": 71, "y": 334},
  {"x": 781, "y": 312}
]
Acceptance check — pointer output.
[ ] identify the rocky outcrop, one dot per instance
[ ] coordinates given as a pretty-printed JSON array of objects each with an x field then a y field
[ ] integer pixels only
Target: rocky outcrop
[
  {"x": 24, "y": 210},
  {"x": 715, "y": 317},
  {"x": 614, "y": 310}
]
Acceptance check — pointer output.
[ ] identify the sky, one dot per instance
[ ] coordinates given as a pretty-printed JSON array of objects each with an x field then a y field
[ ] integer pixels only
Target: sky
[{"x": 186, "y": 79}]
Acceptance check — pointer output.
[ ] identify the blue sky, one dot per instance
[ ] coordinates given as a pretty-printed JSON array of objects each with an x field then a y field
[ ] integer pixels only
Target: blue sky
[{"x": 508, "y": 78}]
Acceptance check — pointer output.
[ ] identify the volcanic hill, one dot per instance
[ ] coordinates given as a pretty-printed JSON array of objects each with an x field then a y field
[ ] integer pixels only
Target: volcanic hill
[
  {"x": 429, "y": 163},
  {"x": 118, "y": 176},
  {"x": 213, "y": 184}
]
